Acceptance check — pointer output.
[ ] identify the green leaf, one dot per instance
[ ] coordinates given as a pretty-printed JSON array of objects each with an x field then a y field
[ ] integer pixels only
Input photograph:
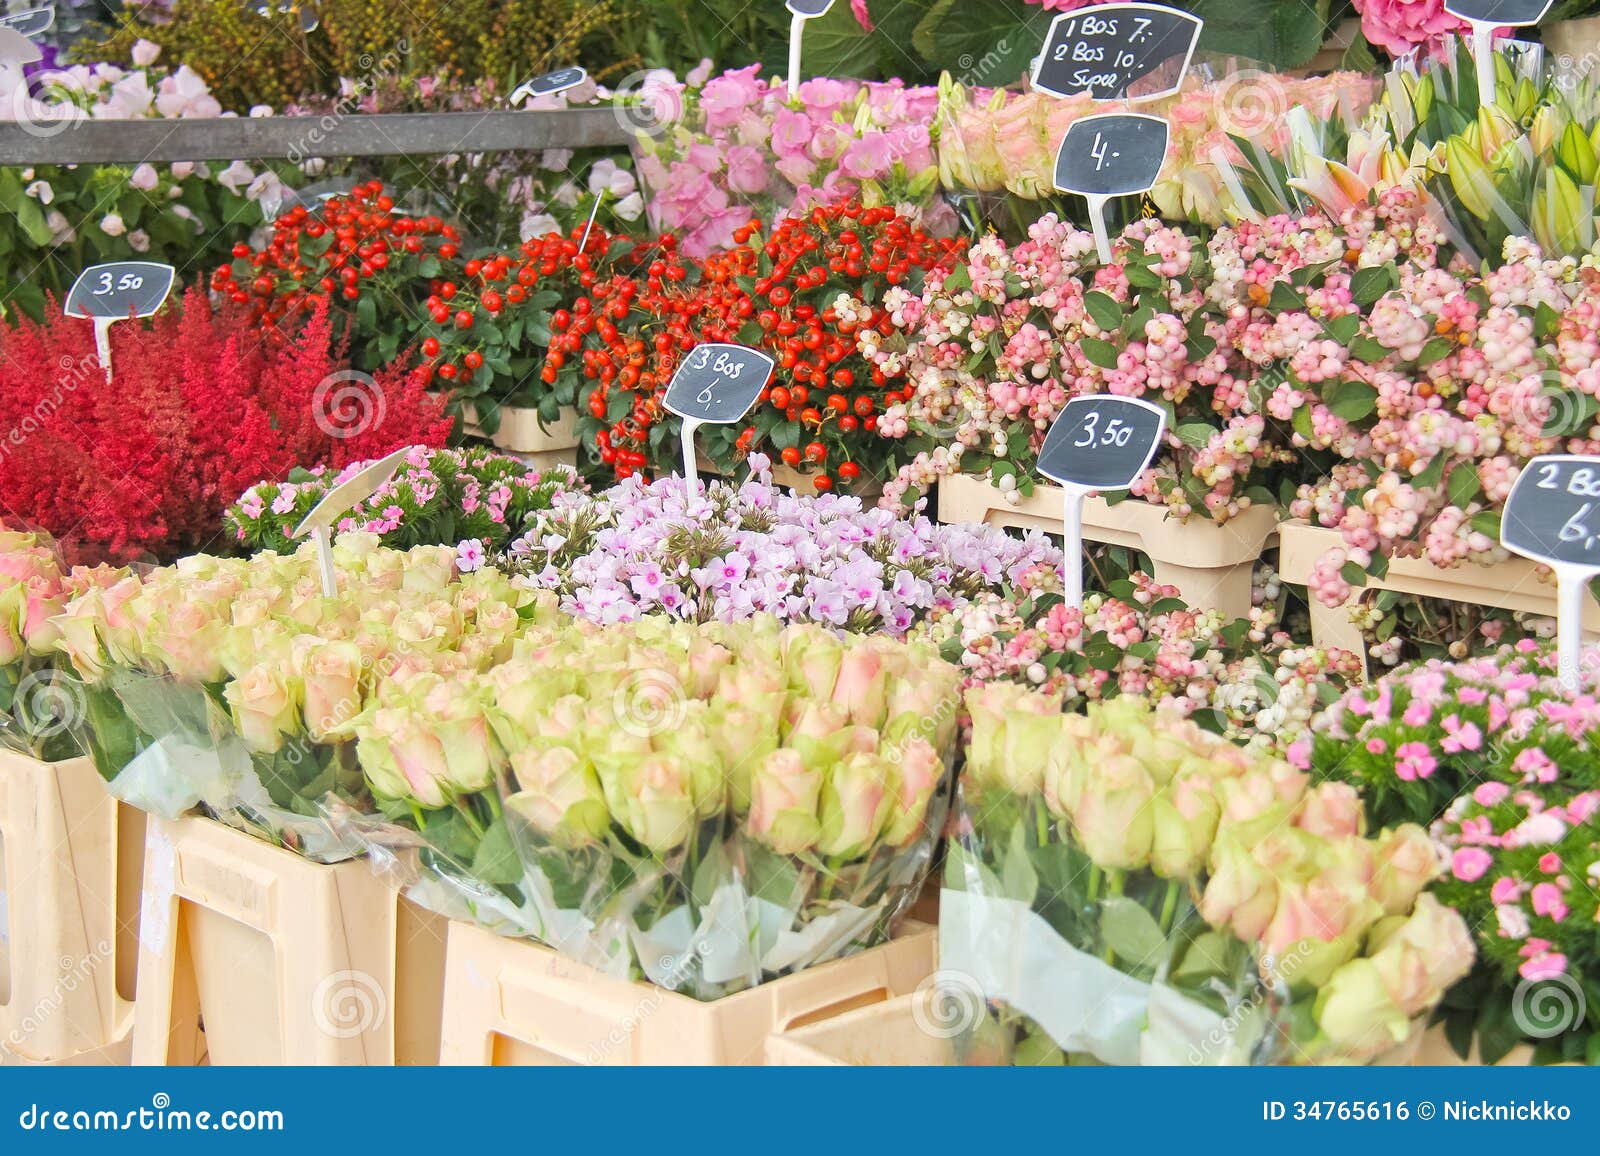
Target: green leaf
[
  {"x": 982, "y": 42},
  {"x": 1369, "y": 350},
  {"x": 1353, "y": 573},
  {"x": 1436, "y": 349},
  {"x": 1101, "y": 353},
  {"x": 1104, "y": 309},
  {"x": 1131, "y": 931},
  {"x": 1486, "y": 523},
  {"x": 496, "y": 860},
  {"x": 1353, "y": 400},
  {"x": 1369, "y": 284},
  {"x": 1195, "y": 433},
  {"x": 1286, "y": 298},
  {"x": 1344, "y": 329},
  {"x": 1017, "y": 875},
  {"x": 1301, "y": 421},
  {"x": 1464, "y": 485},
  {"x": 1279, "y": 35},
  {"x": 837, "y": 45}
]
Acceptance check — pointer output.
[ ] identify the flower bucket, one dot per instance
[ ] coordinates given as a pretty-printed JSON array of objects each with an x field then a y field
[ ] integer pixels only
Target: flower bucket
[
  {"x": 511, "y": 1002},
  {"x": 1515, "y": 584},
  {"x": 250, "y": 954},
  {"x": 904, "y": 1032},
  {"x": 69, "y": 862},
  {"x": 521, "y": 433},
  {"x": 1210, "y": 563}
]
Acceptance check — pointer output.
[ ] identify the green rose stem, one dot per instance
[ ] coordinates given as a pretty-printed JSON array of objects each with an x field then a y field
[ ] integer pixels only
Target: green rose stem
[
  {"x": 1041, "y": 823},
  {"x": 1169, "y": 905},
  {"x": 1114, "y": 884},
  {"x": 464, "y": 809},
  {"x": 833, "y": 875}
]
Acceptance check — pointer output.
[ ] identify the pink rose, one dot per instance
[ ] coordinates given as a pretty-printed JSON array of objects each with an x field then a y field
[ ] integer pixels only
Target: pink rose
[
  {"x": 784, "y": 796},
  {"x": 559, "y": 795},
  {"x": 1331, "y": 811},
  {"x": 332, "y": 675},
  {"x": 264, "y": 708},
  {"x": 854, "y": 806},
  {"x": 921, "y": 770},
  {"x": 860, "y": 688},
  {"x": 1404, "y": 864}
]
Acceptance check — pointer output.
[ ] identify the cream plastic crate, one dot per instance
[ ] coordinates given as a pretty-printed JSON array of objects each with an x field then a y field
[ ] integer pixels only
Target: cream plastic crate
[
  {"x": 511, "y": 1002},
  {"x": 253, "y": 955},
  {"x": 1210, "y": 564},
  {"x": 892, "y": 1034},
  {"x": 69, "y": 867},
  {"x": 1509, "y": 585},
  {"x": 521, "y": 434}
]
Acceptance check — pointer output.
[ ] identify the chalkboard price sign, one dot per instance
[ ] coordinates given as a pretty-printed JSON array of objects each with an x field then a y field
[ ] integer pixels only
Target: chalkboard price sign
[
  {"x": 1499, "y": 13},
  {"x": 1105, "y": 50},
  {"x": 1102, "y": 442},
  {"x": 717, "y": 384},
  {"x": 808, "y": 9},
  {"x": 30, "y": 22},
  {"x": 120, "y": 290},
  {"x": 1553, "y": 513},
  {"x": 550, "y": 83},
  {"x": 1114, "y": 155}
]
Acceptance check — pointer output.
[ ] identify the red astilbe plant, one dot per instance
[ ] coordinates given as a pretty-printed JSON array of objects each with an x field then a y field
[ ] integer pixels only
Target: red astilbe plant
[{"x": 200, "y": 408}]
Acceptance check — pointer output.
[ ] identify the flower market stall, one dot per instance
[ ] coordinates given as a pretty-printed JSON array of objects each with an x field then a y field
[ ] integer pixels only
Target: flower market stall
[{"x": 554, "y": 533}]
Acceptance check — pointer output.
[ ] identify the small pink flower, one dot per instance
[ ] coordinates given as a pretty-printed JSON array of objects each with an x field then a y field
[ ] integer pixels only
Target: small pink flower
[
  {"x": 1376, "y": 746},
  {"x": 1414, "y": 761},
  {"x": 1489, "y": 794},
  {"x": 1550, "y": 863},
  {"x": 1505, "y": 890},
  {"x": 1547, "y": 901},
  {"x": 1299, "y": 754},
  {"x": 1460, "y": 736},
  {"x": 1417, "y": 714},
  {"x": 1470, "y": 863},
  {"x": 1544, "y": 967}
]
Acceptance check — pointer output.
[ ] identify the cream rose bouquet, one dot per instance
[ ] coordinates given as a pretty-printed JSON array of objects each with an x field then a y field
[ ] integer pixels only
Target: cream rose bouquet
[
  {"x": 706, "y": 805},
  {"x": 1165, "y": 897},
  {"x": 42, "y": 705},
  {"x": 238, "y": 681}
]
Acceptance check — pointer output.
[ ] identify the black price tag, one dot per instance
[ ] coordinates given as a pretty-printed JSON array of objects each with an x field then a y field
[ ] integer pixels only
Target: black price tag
[
  {"x": 120, "y": 290},
  {"x": 1515, "y": 13},
  {"x": 809, "y": 8},
  {"x": 1107, "y": 49},
  {"x": 1114, "y": 155},
  {"x": 1102, "y": 442},
  {"x": 550, "y": 83},
  {"x": 1553, "y": 513},
  {"x": 718, "y": 383},
  {"x": 30, "y": 22}
]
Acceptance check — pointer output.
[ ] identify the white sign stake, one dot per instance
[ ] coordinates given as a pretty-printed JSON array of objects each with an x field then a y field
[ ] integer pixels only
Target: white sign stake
[
  {"x": 114, "y": 292},
  {"x": 715, "y": 384},
  {"x": 325, "y": 515},
  {"x": 803, "y": 10},
  {"x": 1485, "y": 16},
  {"x": 599, "y": 200},
  {"x": 1552, "y": 515},
  {"x": 1098, "y": 443}
]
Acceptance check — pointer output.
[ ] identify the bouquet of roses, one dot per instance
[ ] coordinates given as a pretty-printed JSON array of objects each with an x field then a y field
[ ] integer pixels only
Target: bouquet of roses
[
  {"x": 706, "y": 805},
  {"x": 1497, "y": 756},
  {"x": 734, "y": 551},
  {"x": 1246, "y": 679},
  {"x": 711, "y": 168},
  {"x": 1165, "y": 897},
  {"x": 42, "y": 706},
  {"x": 474, "y": 500},
  {"x": 237, "y": 680}
]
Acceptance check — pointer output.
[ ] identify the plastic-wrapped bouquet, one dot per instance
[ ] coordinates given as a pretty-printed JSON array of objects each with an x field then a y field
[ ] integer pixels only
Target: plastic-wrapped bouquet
[
  {"x": 711, "y": 169},
  {"x": 1499, "y": 758},
  {"x": 474, "y": 500},
  {"x": 706, "y": 805},
  {"x": 1163, "y": 896},
  {"x": 737, "y": 550},
  {"x": 42, "y": 705},
  {"x": 237, "y": 679}
]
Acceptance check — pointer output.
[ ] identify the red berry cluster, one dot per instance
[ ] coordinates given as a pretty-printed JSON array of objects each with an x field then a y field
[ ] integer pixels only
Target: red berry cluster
[
  {"x": 811, "y": 295},
  {"x": 348, "y": 250}
]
